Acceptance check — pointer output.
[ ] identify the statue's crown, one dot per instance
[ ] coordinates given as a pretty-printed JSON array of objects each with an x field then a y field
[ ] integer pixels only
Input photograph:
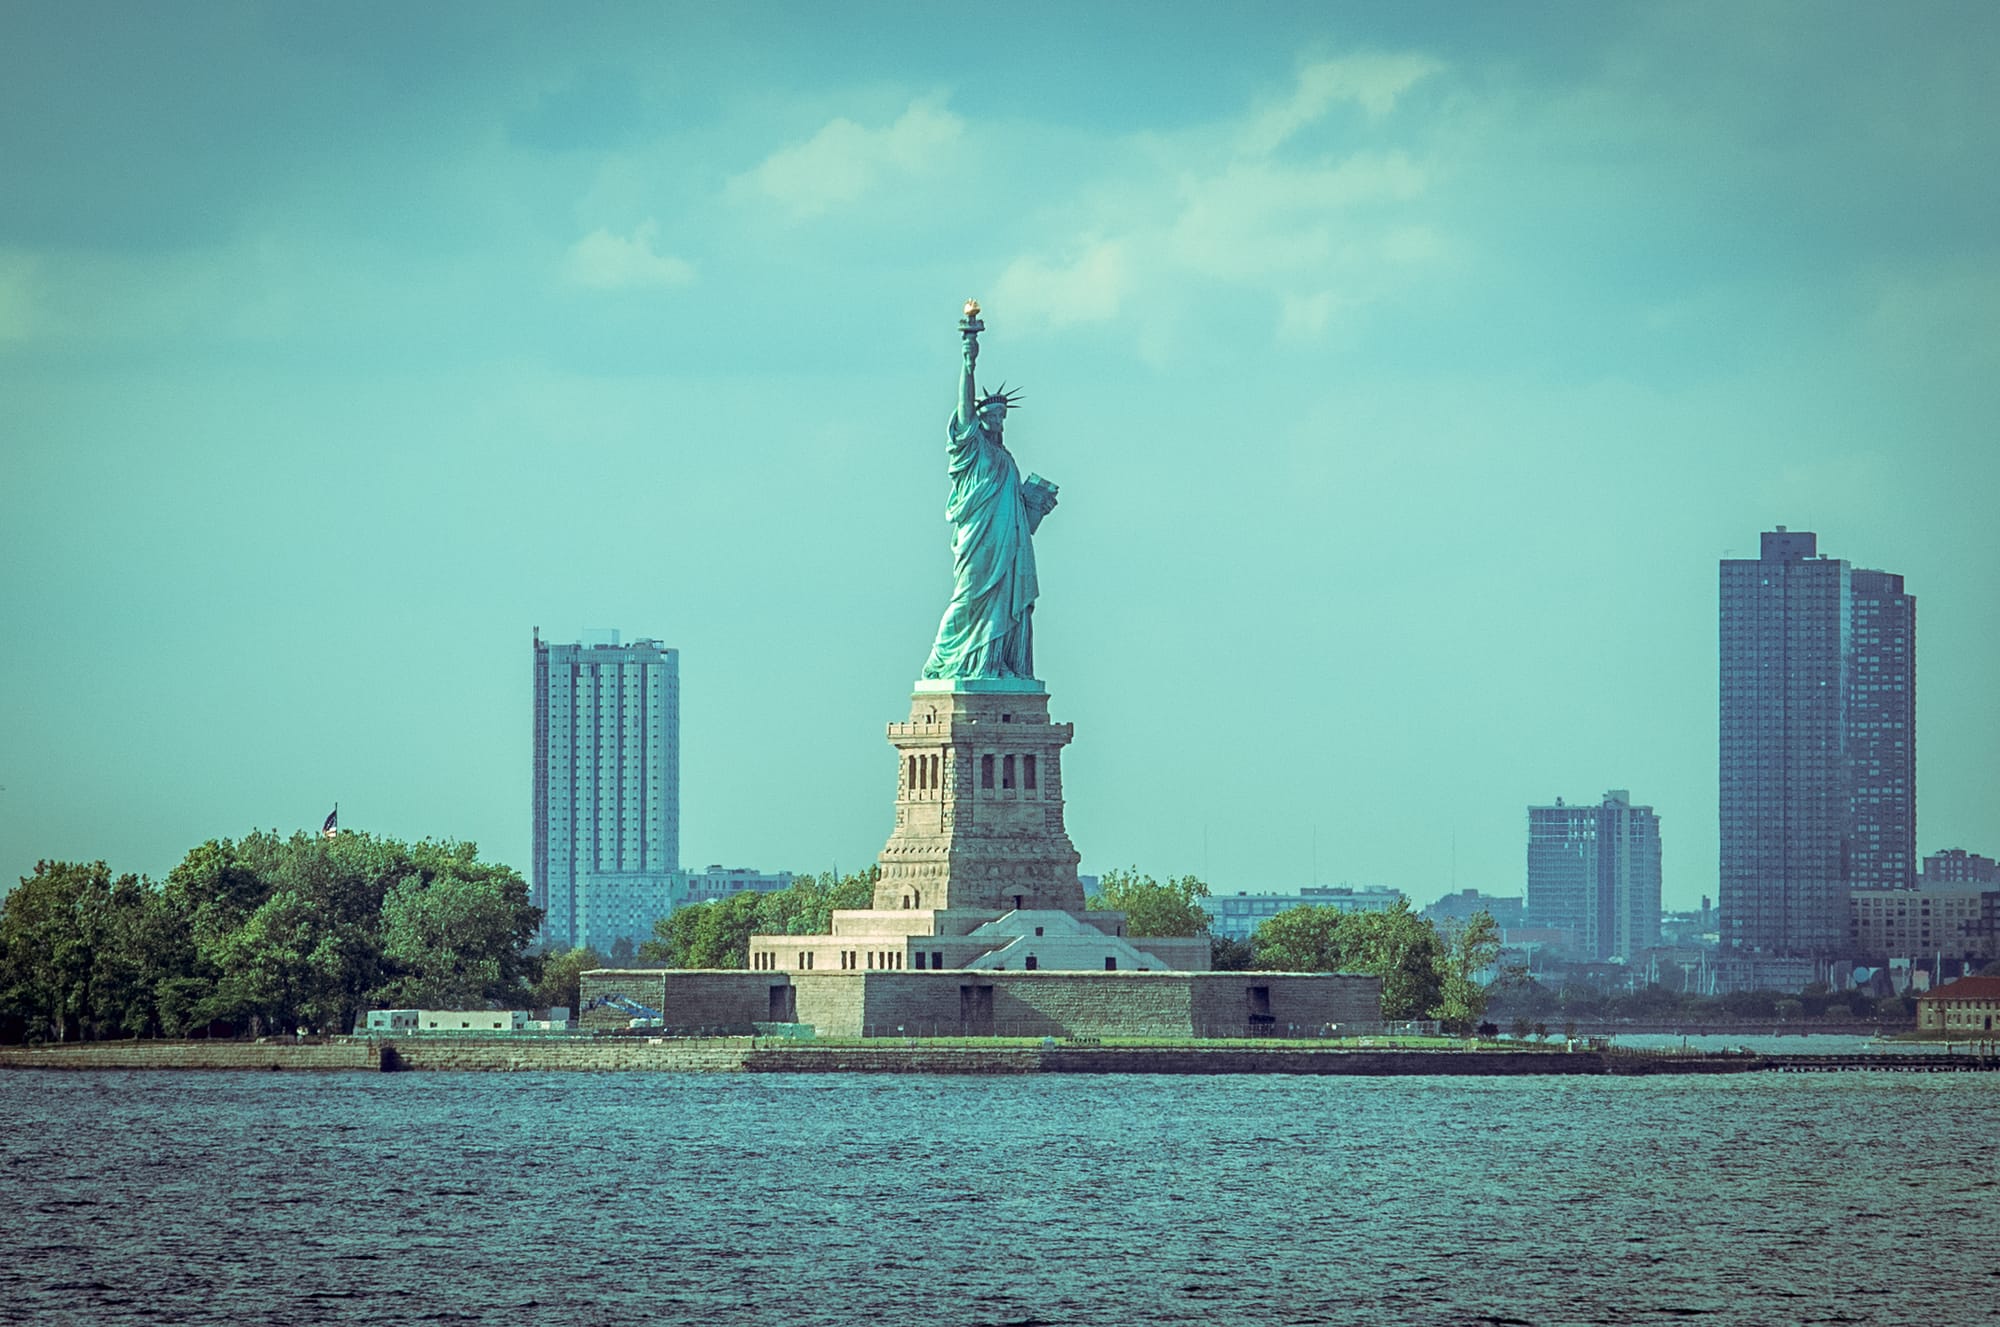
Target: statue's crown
[{"x": 1003, "y": 397}]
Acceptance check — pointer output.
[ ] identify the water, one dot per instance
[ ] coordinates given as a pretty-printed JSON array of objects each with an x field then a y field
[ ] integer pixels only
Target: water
[{"x": 637, "y": 1198}]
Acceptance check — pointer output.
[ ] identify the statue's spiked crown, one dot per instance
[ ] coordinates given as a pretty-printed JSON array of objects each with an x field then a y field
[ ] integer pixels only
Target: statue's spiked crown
[{"x": 1002, "y": 397}]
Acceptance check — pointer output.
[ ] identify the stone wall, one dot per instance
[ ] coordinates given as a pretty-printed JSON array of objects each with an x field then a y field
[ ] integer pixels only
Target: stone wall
[
  {"x": 335, "y": 1055},
  {"x": 955, "y": 1003}
]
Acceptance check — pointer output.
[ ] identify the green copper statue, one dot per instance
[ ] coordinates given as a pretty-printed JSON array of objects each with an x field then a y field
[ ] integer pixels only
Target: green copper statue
[{"x": 988, "y": 629}]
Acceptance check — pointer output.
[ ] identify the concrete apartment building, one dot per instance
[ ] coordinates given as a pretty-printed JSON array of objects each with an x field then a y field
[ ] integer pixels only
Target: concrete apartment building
[
  {"x": 1956, "y": 922},
  {"x": 1817, "y": 746},
  {"x": 606, "y": 788},
  {"x": 1594, "y": 871}
]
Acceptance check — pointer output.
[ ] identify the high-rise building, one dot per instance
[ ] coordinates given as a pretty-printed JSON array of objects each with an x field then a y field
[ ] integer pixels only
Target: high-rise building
[
  {"x": 1595, "y": 871},
  {"x": 607, "y": 789},
  {"x": 1881, "y": 733},
  {"x": 1817, "y": 744}
]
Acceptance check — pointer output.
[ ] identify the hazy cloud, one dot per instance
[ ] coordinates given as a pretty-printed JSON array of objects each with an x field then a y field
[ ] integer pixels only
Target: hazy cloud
[
  {"x": 1371, "y": 81},
  {"x": 844, "y": 160},
  {"x": 604, "y": 261},
  {"x": 1312, "y": 236},
  {"x": 1088, "y": 288}
]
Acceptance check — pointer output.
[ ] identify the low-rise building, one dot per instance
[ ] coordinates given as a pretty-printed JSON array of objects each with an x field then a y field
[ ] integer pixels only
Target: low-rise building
[
  {"x": 1956, "y": 866},
  {"x": 472, "y": 1020},
  {"x": 717, "y": 881},
  {"x": 1505, "y": 910},
  {"x": 1969, "y": 1005},
  {"x": 1237, "y": 916}
]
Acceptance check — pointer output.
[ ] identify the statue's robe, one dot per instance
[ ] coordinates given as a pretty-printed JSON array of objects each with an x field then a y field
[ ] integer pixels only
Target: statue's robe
[{"x": 987, "y": 630}]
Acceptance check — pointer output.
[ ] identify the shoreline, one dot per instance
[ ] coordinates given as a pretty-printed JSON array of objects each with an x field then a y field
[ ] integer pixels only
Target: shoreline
[{"x": 743, "y": 1055}]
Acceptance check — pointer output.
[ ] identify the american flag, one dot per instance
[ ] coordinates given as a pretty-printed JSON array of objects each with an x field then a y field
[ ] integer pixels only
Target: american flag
[{"x": 332, "y": 825}]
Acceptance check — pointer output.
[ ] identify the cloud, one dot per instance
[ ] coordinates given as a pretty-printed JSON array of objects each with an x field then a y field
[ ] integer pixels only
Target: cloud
[
  {"x": 1371, "y": 81},
  {"x": 1212, "y": 207},
  {"x": 844, "y": 161},
  {"x": 1088, "y": 288},
  {"x": 604, "y": 261}
]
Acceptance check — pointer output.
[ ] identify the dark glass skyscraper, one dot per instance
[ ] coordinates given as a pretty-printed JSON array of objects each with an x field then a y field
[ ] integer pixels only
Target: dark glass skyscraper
[{"x": 1818, "y": 744}]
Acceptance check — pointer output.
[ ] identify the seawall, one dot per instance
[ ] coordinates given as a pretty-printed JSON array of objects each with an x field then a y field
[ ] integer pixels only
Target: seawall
[
  {"x": 269, "y": 1055},
  {"x": 740, "y": 1055}
]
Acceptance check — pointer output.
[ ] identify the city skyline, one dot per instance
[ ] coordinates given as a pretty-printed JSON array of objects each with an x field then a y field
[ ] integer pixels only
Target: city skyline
[{"x": 1405, "y": 373}]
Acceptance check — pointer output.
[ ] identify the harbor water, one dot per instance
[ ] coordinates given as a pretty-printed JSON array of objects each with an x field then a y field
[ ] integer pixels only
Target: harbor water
[{"x": 621, "y": 1199}]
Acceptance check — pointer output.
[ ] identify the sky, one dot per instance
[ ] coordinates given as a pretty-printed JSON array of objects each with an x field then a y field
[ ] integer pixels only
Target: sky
[{"x": 1406, "y": 369}]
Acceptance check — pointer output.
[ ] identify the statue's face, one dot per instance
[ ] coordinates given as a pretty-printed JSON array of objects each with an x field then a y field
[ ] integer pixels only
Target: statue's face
[{"x": 993, "y": 416}]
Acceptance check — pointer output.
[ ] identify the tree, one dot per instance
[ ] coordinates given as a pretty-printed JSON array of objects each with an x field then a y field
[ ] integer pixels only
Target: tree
[
  {"x": 716, "y": 934},
  {"x": 1226, "y": 955},
  {"x": 1470, "y": 947},
  {"x": 455, "y": 939},
  {"x": 302, "y": 929},
  {"x": 559, "y": 978},
  {"x": 1402, "y": 949},
  {"x": 71, "y": 960},
  {"x": 1152, "y": 908},
  {"x": 1308, "y": 938}
]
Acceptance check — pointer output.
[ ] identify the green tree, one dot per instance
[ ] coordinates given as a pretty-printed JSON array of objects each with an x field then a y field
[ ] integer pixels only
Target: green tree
[
  {"x": 71, "y": 960},
  {"x": 716, "y": 934},
  {"x": 559, "y": 978},
  {"x": 1226, "y": 955},
  {"x": 1402, "y": 949},
  {"x": 1470, "y": 948},
  {"x": 1308, "y": 938},
  {"x": 456, "y": 938},
  {"x": 302, "y": 929},
  {"x": 1150, "y": 907}
]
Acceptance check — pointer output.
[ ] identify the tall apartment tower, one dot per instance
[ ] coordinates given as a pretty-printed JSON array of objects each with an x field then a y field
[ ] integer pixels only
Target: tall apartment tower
[
  {"x": 607, "y": 788},
  {"x": 1818, "y": 744},
  {"x": 1595, "y": 871}
]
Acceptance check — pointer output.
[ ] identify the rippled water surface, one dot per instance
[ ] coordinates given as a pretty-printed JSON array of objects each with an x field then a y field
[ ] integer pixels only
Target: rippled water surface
[{"x": 634, "y": 1198}]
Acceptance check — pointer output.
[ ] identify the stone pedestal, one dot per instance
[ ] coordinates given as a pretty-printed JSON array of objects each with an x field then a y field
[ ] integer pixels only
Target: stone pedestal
[{"x": 979, "y": 808}]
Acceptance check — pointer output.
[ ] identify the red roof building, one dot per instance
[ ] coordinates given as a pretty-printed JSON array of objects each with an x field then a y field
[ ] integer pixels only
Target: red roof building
[{"x": 1969, "y": 1006}]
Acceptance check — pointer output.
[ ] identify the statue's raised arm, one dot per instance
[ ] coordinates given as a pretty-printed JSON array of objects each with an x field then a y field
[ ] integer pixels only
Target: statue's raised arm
[{"x": 968, "y": 387}]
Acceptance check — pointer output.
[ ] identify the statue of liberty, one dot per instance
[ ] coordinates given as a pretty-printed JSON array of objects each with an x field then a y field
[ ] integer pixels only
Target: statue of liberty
[{"x": 988, "y": 628}]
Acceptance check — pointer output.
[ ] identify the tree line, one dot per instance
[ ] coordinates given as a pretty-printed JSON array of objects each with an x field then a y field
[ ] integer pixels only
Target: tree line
[
  {"x": 276, "y": 934},
  {"x": 1426, "y": 972},
  {"x": 266, "y": 934}
]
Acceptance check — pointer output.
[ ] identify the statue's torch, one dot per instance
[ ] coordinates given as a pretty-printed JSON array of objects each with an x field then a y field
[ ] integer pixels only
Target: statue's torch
[{"x": 970, "y": 327}]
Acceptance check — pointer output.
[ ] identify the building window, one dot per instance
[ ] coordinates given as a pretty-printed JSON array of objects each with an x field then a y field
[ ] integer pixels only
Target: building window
[
  {"x": 1031, "y": 963},
  {"x": 1007, "y": 772},
  {"x": 1110, "y": 963},
  {"x": 937, "y": 958},
  {"x": 986, "y": 771},
  {"x": 920, "y": 959},
  {"x": 1028, "y": 773}
]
